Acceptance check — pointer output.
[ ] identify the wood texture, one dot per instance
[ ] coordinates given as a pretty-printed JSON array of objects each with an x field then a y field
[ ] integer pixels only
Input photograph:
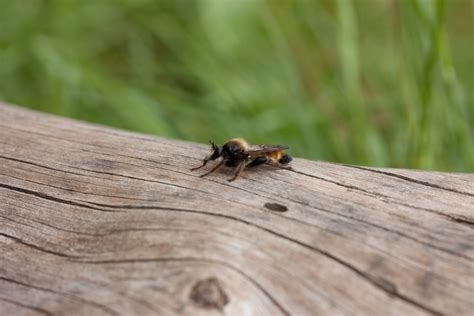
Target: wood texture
[{"x": 97, "y": 221}]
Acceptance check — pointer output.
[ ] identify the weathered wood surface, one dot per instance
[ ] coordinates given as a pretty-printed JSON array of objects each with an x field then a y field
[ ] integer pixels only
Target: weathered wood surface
[{"x": 96, "y": 221}]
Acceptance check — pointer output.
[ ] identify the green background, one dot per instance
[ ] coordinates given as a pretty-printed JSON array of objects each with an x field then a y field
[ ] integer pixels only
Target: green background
[{"x": 379, "y": 83}]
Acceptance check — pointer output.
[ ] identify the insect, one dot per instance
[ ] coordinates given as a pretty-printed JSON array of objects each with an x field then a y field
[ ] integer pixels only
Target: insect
[{"x": 240, "y": 155}]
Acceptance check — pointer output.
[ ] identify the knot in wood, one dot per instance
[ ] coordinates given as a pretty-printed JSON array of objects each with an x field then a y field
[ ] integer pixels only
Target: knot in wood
[{"x": 209, "y": 294}]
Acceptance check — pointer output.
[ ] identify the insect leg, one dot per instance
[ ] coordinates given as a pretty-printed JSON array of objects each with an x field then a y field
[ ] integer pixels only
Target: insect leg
[
  {"x": 213, "y": 169},
  {"x": 257, "y": 161},
  {"x": 240, "y": 168},
  {"x": 275, "y": 163},
  {"x": 199, "y": 167}
]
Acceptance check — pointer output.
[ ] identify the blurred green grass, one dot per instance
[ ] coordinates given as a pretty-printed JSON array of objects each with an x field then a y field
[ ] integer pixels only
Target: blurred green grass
[{"x": 379, "y": 83}]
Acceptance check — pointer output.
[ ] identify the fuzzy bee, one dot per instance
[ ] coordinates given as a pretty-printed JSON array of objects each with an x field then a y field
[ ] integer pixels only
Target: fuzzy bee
[{"x": 238, "y": 154}]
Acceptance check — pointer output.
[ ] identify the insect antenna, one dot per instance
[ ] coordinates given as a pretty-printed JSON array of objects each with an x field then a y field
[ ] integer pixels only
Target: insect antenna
[{"x": 213, "y": 146}]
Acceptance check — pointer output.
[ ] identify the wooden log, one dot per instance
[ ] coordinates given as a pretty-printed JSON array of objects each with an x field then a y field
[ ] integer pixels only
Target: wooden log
[{"x": 98, "y": 221}]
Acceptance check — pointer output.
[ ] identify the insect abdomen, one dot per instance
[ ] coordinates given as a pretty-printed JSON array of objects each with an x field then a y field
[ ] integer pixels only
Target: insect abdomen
[
  {"x": 274, "y": 154},
  {"x": 285, "y": 159}
]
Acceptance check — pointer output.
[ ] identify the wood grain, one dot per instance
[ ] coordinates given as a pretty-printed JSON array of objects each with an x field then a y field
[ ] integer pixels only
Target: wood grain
[{"x": 97, "y": 221}]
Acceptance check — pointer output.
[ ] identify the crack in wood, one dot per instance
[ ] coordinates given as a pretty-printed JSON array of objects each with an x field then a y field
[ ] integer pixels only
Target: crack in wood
[
  {"x": 71, "y": 296},
  {"x": 67, "y": 189},
  {"x": 461, "y": 219},
  {"x": 100, "y": 172},
  {"x": 38, "y": 165},
  {"x": 30, "y": 307},
  {"x": 382, "y": 197},
  {"x": 20, "y": 241},
  {"x": 49, "y": 197},
  {"x": 425, "y": 183}
]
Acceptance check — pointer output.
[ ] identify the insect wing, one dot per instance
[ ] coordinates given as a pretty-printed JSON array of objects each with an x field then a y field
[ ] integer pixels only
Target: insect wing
[{"x": 265, "y": 148}]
